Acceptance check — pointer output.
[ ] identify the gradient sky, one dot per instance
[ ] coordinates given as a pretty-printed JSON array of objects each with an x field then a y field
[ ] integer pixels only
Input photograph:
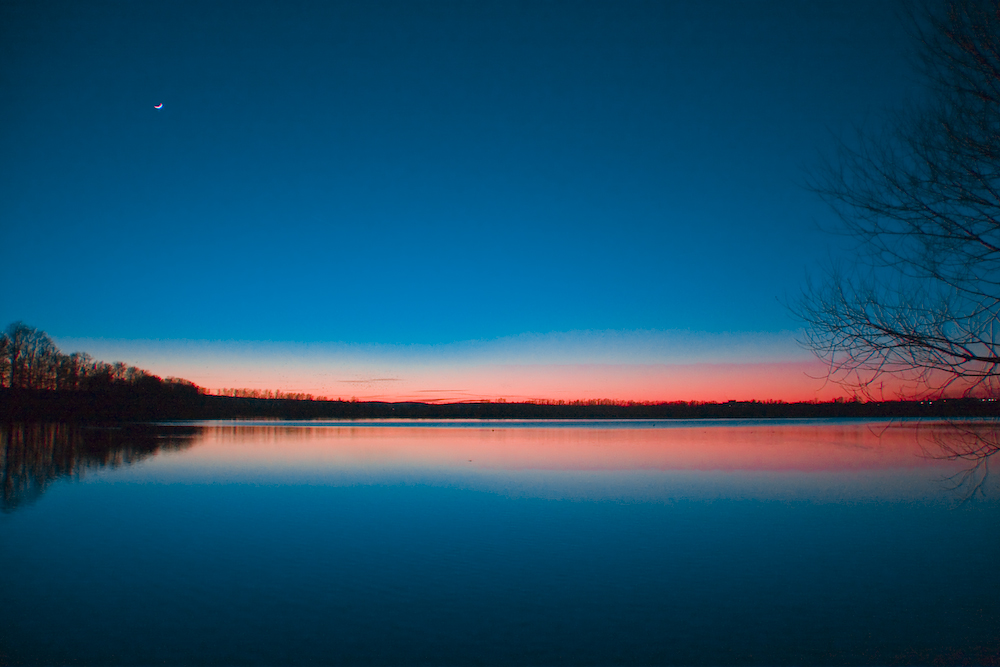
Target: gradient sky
[{"x": 396, "y": 190}]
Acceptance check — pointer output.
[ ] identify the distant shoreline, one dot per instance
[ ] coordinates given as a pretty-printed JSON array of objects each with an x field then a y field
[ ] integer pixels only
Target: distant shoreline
[{"x": 126, "y": 404}]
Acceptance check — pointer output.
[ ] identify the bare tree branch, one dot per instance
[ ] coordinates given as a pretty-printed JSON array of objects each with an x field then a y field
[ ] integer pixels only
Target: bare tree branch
[{"x": 921, "y": 301}]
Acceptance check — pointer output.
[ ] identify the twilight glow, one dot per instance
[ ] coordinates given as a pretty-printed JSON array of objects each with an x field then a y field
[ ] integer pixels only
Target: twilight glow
[
  {"x": 639, "y": 366},
  {"x": 439, "y": 201}
]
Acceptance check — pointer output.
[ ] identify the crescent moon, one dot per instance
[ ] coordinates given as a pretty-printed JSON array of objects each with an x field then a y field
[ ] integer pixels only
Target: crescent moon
[{"x": 158, "y": 106}]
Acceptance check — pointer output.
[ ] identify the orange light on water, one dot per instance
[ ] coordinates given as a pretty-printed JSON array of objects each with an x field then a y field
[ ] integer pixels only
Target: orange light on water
[{"x": 492, "y": 445}]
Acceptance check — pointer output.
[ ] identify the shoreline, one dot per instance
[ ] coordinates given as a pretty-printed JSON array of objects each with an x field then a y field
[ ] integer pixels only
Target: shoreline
[{"x": 123, "y": 404}]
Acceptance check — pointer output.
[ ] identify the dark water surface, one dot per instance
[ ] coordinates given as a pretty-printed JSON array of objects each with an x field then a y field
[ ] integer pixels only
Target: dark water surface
[{"x": 584, "y": 543}]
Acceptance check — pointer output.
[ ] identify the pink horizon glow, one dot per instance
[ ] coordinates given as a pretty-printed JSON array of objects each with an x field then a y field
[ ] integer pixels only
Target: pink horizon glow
[
  {"x": 568, "y": 366},
  {"x": 789, "y": 381}
]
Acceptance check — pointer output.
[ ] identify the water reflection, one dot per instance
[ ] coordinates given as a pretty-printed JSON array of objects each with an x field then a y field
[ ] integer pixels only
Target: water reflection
[
  {"x": 753, "y": 543},
  {"x": 818, "y": 459},
  {"x": 541, "y": 459},
  {"x": 973, "y": 444},
  {"x": 813, "y": 445},
  {"x": 33, "y": 456}
]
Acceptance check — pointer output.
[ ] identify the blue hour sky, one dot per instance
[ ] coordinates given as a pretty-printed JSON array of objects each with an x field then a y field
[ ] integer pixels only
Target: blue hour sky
[{"x": 424, "y": 173}]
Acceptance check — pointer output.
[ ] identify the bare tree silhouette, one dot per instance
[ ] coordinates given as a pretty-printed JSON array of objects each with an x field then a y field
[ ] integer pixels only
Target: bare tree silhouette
[
  {"x": 4, "y": 360},
  {"x": 921, "y": 303},
  {"x": 31, "y": 353}
]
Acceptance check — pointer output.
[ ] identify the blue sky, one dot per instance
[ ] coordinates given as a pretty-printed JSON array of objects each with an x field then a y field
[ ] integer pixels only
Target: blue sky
[{"x": 424, "y": 173}]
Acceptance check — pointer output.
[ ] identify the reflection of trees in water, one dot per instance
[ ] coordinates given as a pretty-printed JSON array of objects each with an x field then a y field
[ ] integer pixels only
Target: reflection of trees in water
[
  {"x": 973, "y": 442},
  {"x": 32, "y": 456}
]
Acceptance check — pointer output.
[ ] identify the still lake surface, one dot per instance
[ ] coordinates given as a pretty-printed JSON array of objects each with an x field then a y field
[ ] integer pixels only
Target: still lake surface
[{"x": 517, "y": 543}]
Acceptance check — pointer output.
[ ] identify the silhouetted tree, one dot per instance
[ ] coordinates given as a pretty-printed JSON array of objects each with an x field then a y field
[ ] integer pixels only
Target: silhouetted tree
[
  {"x": 32, "y": 354},
  {"x": 4, "y": 361},
  {"x": 922, "y": 302}
]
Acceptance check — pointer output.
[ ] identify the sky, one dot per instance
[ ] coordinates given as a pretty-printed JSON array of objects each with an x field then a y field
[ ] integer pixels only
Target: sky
[{"x": 429, "y": 200}]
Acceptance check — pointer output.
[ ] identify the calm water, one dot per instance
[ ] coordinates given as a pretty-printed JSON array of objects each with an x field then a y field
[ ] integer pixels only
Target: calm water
[{"x": 415, "y": 543}]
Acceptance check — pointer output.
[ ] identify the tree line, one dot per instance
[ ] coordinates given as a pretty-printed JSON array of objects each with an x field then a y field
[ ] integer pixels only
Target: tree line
[
  {"x": 268, "y": 393},
  {"x": 30, "y": 360}
]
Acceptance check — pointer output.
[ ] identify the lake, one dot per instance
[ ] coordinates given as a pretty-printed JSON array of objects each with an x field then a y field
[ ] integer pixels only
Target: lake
[{"x": 782, "y": 542}]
